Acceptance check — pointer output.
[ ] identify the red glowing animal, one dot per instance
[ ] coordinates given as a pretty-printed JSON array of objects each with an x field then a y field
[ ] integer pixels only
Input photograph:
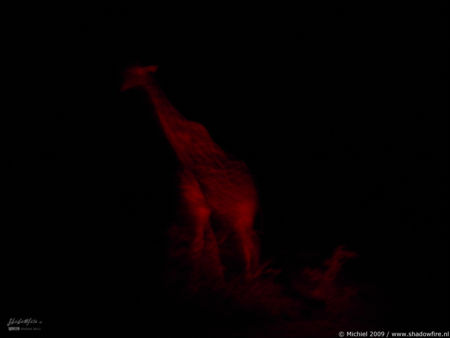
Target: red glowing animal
[{"x": 213, "y": 236}]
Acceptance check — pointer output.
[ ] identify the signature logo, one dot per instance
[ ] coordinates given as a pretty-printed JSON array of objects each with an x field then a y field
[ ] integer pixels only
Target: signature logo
[{"x": 24, "y": 324}]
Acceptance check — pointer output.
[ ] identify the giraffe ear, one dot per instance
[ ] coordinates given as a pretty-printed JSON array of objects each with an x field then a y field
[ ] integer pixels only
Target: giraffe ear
[{"x": 136, "y": 76}]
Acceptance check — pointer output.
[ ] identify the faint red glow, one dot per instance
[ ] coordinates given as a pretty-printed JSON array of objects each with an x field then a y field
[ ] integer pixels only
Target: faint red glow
[
  {"x": 218, "y": 199},
  {"x": 320, "y": 283},
  {"x": 213, "y": 245}
]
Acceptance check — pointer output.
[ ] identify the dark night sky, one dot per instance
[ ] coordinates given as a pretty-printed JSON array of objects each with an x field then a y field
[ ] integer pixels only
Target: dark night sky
[{"x": 340, "y": 113}]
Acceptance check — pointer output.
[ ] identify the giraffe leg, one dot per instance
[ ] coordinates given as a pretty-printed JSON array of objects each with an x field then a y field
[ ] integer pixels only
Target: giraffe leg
[
  {"x": 249, "y": 246},
  {"x": 199, "y": 247}
]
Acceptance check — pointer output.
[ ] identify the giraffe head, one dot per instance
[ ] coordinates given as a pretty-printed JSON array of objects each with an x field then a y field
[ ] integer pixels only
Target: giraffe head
[{"x": 137, "y": 76}]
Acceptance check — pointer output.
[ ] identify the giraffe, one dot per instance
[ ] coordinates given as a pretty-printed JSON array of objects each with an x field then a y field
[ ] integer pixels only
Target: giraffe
[{"x": 214, "y": 234}]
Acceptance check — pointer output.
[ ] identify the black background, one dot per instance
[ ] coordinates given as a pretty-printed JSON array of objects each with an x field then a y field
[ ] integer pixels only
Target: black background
[{"x": 340, "y": 113}]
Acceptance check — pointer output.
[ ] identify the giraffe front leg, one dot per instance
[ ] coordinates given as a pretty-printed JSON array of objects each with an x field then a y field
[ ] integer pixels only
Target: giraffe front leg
[{"x": 201, "y": 253}]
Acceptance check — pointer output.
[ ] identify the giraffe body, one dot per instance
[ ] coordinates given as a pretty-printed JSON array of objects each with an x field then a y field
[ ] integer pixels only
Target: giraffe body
[{"x": 214, "y": 234}]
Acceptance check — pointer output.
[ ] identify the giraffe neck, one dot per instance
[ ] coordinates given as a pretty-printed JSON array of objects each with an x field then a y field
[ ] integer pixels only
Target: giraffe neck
[{"x": 190, "y": 140}]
